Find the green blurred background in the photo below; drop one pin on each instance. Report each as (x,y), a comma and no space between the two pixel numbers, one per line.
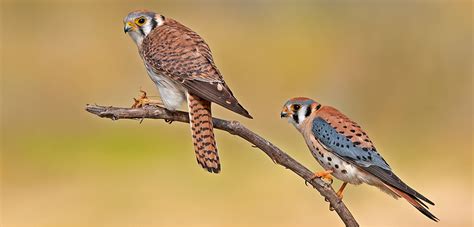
(402,69)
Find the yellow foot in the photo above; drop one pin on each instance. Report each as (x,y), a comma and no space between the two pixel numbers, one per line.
(143,100)
(325,175)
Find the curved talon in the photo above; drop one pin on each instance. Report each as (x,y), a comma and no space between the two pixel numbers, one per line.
(330,180)
(168,121)
(324,175)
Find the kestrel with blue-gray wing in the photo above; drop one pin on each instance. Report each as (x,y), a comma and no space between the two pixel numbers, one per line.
(180,64)
(345,151)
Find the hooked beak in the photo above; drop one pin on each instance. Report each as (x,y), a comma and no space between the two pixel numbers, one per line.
(128,27)
(284,113)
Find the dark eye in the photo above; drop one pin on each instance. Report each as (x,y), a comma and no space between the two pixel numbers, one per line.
(296,107)
(141,21)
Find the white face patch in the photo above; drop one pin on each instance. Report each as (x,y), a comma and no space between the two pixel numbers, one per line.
(301,114)
(141,32)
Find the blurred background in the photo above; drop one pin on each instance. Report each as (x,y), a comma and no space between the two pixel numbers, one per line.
(401,69)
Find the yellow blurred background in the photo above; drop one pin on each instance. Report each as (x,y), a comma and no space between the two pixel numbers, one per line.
(402,69)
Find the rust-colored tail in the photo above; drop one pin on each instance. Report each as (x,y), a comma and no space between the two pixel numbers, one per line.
(200,119)
(414,201)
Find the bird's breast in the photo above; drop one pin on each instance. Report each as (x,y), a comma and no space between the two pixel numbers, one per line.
(342,170)
(172,93)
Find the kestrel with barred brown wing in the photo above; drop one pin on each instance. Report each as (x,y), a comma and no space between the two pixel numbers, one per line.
(346,152)
(180,64)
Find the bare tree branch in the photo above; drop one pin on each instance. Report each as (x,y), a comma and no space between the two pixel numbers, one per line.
(234,128)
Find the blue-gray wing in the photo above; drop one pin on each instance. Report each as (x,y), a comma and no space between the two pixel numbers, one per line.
(342,146)
(354,147)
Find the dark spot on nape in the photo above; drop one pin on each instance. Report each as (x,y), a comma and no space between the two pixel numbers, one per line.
(318,106)
(163,17)
(329,159)
(344,171)
(337,166)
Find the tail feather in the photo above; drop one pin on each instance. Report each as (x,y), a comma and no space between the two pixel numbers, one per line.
(414,201)
(200,119)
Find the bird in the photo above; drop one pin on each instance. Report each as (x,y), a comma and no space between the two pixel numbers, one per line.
(346,152)
(180,64)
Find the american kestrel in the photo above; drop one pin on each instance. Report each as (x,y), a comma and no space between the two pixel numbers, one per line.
(180,64)
(345,151)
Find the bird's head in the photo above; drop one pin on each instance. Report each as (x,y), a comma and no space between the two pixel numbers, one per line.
(138,24)
(299,109)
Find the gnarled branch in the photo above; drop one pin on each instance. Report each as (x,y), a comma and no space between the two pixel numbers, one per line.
(234,128)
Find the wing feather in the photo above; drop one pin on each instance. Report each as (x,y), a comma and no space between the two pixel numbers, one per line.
(178,52)
(330,132)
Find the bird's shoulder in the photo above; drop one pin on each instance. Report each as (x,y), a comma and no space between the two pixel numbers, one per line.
(179,51)
(339,134)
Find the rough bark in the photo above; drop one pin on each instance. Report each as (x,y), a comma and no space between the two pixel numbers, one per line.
(234,128)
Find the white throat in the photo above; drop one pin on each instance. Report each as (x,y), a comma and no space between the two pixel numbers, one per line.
(136,37)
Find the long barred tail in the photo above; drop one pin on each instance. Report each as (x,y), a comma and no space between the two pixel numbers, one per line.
(200,119)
